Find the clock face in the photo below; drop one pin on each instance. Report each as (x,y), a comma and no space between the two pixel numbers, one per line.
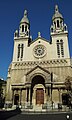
(39,51)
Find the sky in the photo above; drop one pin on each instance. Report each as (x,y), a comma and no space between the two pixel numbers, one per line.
(40,14)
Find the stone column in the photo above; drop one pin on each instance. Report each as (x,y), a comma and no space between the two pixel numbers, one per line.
(59,95)
(29,94)
(46,94)
(45,99)
(26,96)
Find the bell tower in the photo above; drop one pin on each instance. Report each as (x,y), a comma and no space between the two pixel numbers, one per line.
(58,22)
(24,27)
(21,38)
(59,35)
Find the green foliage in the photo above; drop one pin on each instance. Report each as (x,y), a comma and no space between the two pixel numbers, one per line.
(2,100)
(69,90)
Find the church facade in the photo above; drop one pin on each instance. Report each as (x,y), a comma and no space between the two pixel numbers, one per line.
(39,68)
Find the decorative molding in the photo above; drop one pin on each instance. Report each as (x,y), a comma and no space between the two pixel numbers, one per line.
(32,64)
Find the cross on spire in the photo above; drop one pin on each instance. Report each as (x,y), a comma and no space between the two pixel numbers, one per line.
(56,8)
(25,13)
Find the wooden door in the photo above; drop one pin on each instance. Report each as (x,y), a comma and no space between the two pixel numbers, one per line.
(39,96)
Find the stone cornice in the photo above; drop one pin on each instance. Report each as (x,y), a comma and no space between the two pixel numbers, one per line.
(48,63)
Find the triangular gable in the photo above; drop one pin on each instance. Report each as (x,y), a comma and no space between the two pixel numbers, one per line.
(36,68)
(39,38)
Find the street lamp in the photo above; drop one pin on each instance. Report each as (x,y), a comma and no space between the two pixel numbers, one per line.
(67,117)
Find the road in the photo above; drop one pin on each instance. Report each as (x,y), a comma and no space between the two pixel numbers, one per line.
(18,115)
(50,116)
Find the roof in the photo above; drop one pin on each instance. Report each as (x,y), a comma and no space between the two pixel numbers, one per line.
(25,18)
(57,13)
(38,38)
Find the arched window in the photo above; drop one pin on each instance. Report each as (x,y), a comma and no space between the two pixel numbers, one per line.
(18,50)
(22,46)
(62,48)
(57,41)
(58,48)
(22,28)
(58,23)
(51,29)
(65,27)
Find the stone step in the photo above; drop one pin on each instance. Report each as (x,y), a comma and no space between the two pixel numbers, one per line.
(38,107)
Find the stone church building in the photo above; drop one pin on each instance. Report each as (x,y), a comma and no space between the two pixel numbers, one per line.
(39,68)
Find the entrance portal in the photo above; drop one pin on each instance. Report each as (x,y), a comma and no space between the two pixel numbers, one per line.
(39,96)
(16,99)
(37,90)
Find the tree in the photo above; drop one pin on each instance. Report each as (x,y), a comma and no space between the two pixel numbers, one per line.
(69,90)
(2,98)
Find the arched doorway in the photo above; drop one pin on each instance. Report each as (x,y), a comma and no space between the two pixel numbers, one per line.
(37,90)
(16,99)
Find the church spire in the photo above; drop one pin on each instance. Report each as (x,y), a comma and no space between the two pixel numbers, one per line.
(25,14)
(56,8)
(58,22)
(57,14)
(24,30)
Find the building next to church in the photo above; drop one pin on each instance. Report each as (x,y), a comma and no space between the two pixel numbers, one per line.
(39,68)
(2,92)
